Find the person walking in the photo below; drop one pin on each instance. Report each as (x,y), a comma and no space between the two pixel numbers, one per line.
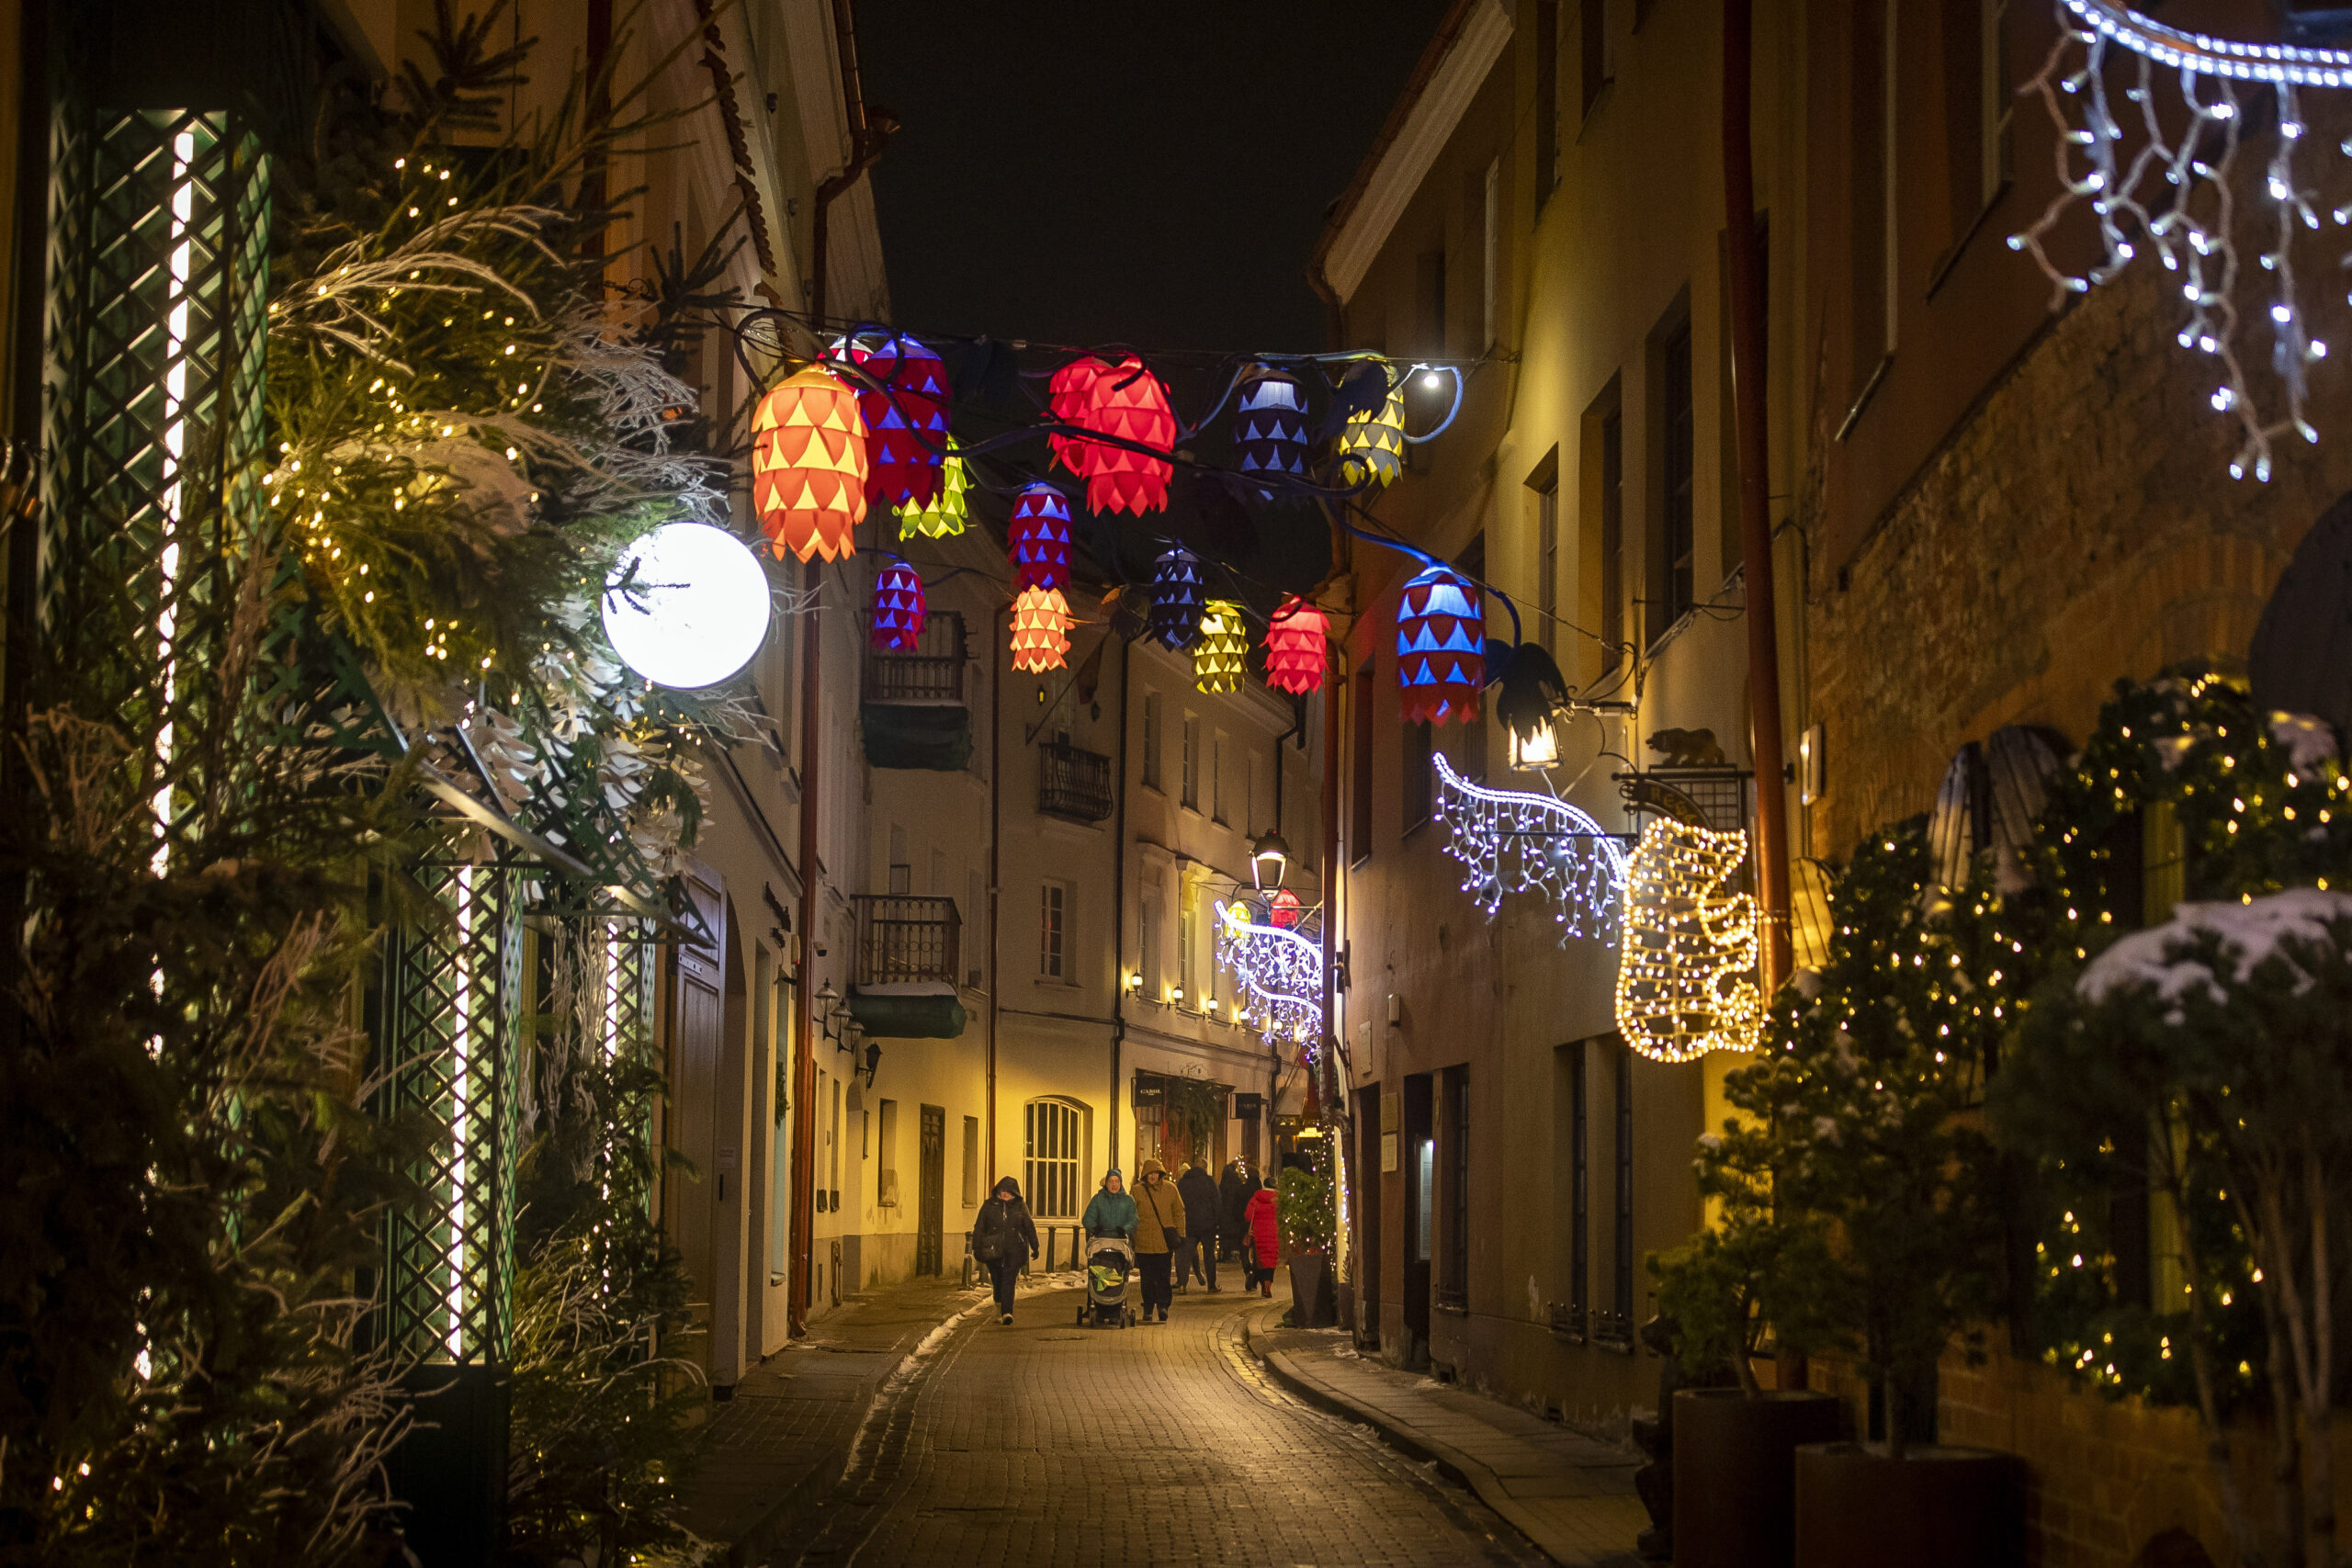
(1265,1237)
(1005,1240)
(1233,1188)
(1111,1211)
(1198,1188)
(1159,1225)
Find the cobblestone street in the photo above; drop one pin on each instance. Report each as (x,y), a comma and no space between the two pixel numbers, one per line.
(1046,1444)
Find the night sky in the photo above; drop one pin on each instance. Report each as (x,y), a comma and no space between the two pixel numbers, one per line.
(1098,171)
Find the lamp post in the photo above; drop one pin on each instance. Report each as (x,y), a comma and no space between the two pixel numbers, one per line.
(1269,860)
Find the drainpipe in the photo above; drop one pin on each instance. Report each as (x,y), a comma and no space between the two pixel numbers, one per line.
(869,131)
(1335,1112)
(996,818)
(804,1097)
(1119,903)
(1755,520)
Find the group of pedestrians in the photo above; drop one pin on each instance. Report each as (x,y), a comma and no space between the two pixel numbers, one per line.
(1177,1230)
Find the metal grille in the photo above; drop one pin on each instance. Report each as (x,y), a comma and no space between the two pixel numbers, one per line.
(933,672)
(903,939)
(449,1052)
(1073,783)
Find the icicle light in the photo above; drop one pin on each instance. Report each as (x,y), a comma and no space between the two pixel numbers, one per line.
(1517,841)
(1280,972)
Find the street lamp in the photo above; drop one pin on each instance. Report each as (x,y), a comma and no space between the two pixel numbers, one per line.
(1268,859)
(1537,750)
(873,1062)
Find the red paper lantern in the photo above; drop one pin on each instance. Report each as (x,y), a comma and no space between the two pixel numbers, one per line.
(899,609)
(906,418)
(1131,404)
(1040,625)
(1294,656)
(809,466)
(1283,908)
(1441,648)
(1037,541)
(1068,396)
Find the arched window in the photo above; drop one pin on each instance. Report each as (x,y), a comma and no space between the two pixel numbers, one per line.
(1053,1156)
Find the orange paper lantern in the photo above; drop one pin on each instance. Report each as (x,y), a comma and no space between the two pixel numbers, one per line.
(1294,637)
(1040,620)
(1131,404)
(809,466)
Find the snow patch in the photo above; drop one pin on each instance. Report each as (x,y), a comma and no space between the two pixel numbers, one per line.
(2249,932)
(2310,740)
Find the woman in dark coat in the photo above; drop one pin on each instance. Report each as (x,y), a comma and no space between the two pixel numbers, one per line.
(1004,1238)
(1232,1191)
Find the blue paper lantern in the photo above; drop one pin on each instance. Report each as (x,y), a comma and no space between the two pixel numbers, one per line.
(1440,648)
(1270,424)
(1176,598)
(1037,542)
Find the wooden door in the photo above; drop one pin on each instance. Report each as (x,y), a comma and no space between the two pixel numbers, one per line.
(692,1199)
(929,1258)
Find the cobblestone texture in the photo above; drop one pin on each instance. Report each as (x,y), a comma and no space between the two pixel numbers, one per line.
(1045,1445)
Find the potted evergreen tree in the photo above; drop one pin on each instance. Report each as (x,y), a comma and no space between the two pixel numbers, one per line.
(1308,1215)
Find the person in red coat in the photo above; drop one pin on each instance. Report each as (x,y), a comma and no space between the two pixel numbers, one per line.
(1265,1242)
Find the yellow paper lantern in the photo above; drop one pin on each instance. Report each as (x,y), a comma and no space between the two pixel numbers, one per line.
(1040,620)
(1222,652)
(1686,977)
(809,466)
(947,512)
(1372,445)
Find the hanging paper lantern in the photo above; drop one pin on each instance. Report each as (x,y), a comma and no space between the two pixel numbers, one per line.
(1441,648)
(1040,620)
(1176,599)
(1222,653)
(1372,445)
(906,418)
(898,611)
(1037,542)
(1270,424)
(1066,398)
(1130,403)
(809,466)
(1294,647)
(1283,910)
(947,510)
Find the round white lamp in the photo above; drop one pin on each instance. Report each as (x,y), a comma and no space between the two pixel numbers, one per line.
(686,605)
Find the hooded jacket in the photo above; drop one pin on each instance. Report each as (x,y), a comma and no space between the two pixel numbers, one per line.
(1198,1188)
(1109,1212)
(1265,1232)
(1158,1210)
(1005,1222)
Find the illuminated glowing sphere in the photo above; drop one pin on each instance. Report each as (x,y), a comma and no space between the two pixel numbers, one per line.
(1037,539)
(1130,403)
(1372,445)
(1270,424)
(898,611)
(1441,648)
(906,417)
(686,605)
(1221,655)
(1176,598)
(1066,397)
(1294,647)
(946,511)
(1040,625)
(809,466)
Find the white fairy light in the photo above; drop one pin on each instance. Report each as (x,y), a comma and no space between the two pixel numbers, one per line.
(1514,841)
(1280,972)
(1686,974)
(2203,248)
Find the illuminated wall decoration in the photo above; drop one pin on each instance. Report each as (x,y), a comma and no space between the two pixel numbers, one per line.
(1294,636)
(906,417)
(949,510)
(1037,538)
(809,466)
(899,608)
(1221,655)
(1686,977)
(1040,627)
(1280,972)
(1514,841)
(1440,648)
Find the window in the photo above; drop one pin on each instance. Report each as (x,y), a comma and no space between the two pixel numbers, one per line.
(1187,943)
(1623,1296)
(1602,492)
(1360,766)
(1217,779)
(1869,202)
(1456,1274)
(1153,923)
(1425,1185)
(1671,586)
(972,1163)
(1545,482)
(1192,796)
(1489,248)
(1472,564)
(902,868)
(1580,1185)
(1417,781)
(1054,911)
(887,1188)
(1547,98)
(833,1140)
(1151,739)
(975,936)
(1050,1149)
(1593,53)
(1978,147)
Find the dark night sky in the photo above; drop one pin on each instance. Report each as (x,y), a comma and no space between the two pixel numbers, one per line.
(1098,171)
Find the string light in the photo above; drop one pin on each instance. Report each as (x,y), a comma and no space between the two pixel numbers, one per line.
(1280,972)
(1040,622)
(1685,976)
(1513,841)
(1221,655)
(946,511)
(1294,637)
(809,466)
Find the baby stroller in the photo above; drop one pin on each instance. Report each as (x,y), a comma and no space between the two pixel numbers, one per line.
(1110,1262)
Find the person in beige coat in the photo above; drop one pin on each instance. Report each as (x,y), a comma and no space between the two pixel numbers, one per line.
(1159,1228)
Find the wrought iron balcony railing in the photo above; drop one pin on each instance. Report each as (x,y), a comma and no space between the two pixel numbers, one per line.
(931,671)
(903,939)
(1072,783)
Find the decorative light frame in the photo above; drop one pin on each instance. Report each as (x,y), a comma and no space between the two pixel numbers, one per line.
(1280,972)
(1516,842)
(1686,969)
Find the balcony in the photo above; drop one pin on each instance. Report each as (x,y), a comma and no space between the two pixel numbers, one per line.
(1073,783)
(913,711)
(908,951)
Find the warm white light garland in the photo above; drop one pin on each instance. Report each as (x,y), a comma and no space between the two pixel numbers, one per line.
(1542,843)
(1686,975)
(1280,972)
(2161,186)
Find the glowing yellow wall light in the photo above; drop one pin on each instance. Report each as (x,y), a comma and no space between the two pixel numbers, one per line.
(1686,975)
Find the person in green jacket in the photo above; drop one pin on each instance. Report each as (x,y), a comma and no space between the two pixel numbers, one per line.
(1111,1211)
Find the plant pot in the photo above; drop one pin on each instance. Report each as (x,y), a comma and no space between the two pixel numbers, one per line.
(1935,1507)
(1343,1303)
(1734,1472)
(1310,1290)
